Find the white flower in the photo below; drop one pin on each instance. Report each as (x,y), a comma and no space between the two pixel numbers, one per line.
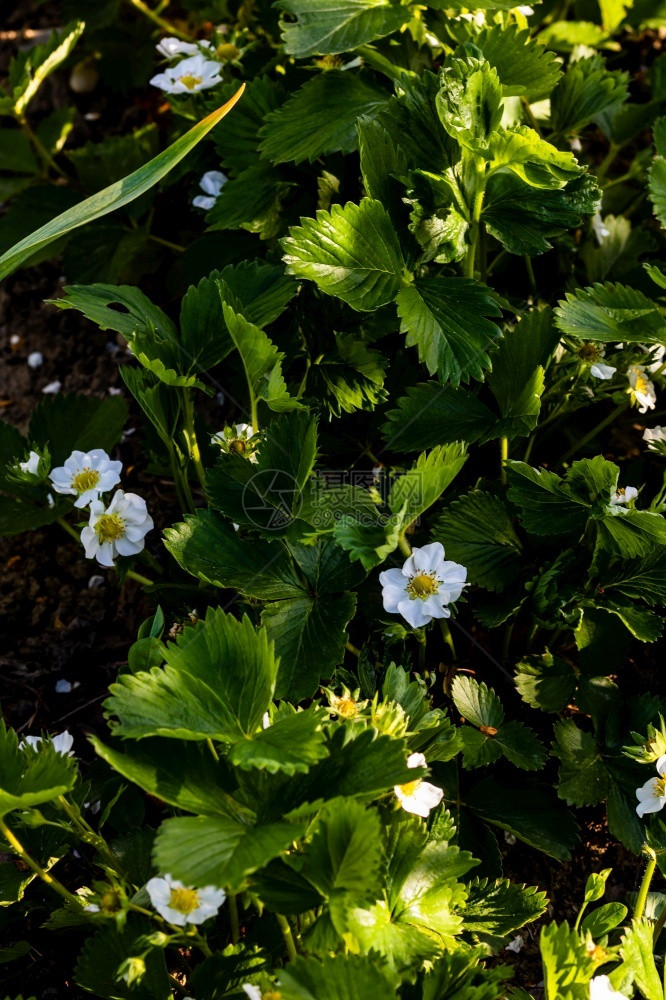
(172,47)
(35,360)
(253,992)
(658,357)
(181,904)
(211,183)
(624,495)
(641,389)
(601,989)
(118,530)
(656,439)
(601,231)
(652,795)
(236,440)
(85,475)
(188,76)
(418,796)
(525,10)
(62,743)
(516,945)
(602,371)
(31,464)
(424,586)
(52,388)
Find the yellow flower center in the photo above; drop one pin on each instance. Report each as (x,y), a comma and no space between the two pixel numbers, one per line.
(423,586)
(85,479)
(238,446)
(642,383)
(620,491)
(346,707)
(589,352)
(660,787)
(191,81)
(410,787)
(110,528)
(184,900)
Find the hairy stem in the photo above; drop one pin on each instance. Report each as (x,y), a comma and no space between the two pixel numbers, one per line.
(191,438)
(641,898)
(27,859)
(285,927)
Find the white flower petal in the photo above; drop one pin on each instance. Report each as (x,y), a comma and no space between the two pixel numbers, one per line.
(412,612)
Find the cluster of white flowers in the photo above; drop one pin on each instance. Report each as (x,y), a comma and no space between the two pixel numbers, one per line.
(190,74)
(652,795)
(116,530)
(425,585)
(180,904)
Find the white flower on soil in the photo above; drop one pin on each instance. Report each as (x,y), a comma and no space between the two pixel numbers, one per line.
(652,795)
(62,743)
(624,495)
(31,464)
(180,904)
(641,389)
(188,76)
(602,989)
(173,47)
(236,440)
(85,475)
(425,585)
(117,530)
(418,796)
(602,371)
(211,184)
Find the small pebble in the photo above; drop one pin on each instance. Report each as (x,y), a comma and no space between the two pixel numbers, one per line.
(95,581)
(35,360)
(52,388)
(14,340)
(63,686)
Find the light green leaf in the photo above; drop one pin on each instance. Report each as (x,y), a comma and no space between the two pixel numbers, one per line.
(476,702)
(369,543)
(352,252)
(477,532)
(422,485)
(136,311)
(261,360)
(207,850)
(525,68)
(469,102)
(29,69)
(567,964)
(604,919)
(637,950)
(345,853)
(447,320)
(336,976)
(583,778)
(293,742)
(532,158)
(116,196)
(319,118)
(501,907)
(611,313)
(332,26)
(586,91)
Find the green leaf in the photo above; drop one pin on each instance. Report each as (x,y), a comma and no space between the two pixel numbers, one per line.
(583,778)
(620,251)
(333,976)
(345,856)
(103,954)
(16,155)
(476,702)
(352,252)
(604,919)
(251,201)
(99,164)
(261,360)
(526,812)
(548,506)
(521,746)
(469,102)
(136,312)
(368,543)
(237,140)
(525,68)
(328,27)
(309,635)
(639,579)
(348,378)
(207,850)
(546,682)
(477,532)
(521,150)
(293,742)
(30,777)
(217,683)
(410,118)
(210,550)
(637,950)
(611,313)
(262,290)
(501,907)
(517,378)
(657,187)
(586,91)
(422,485)
(116,196)
(28,70)
(447,319)
(431,414)
(68,422)
(567,964)
(320,118)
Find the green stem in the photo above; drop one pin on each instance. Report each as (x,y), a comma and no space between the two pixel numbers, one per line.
(641,898)
(593,433)
(86,832)
(69,529)
(285,927)
(45,876)
(191,438)
(233,917)
(475,228)
(211,747)
(530,275)
(404,545)
(41,150)
(167,243)
(352,648)
(182,487)
(139,577)
(159,21)
(607,161)
(504,457)
(448,638)
(254,411)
